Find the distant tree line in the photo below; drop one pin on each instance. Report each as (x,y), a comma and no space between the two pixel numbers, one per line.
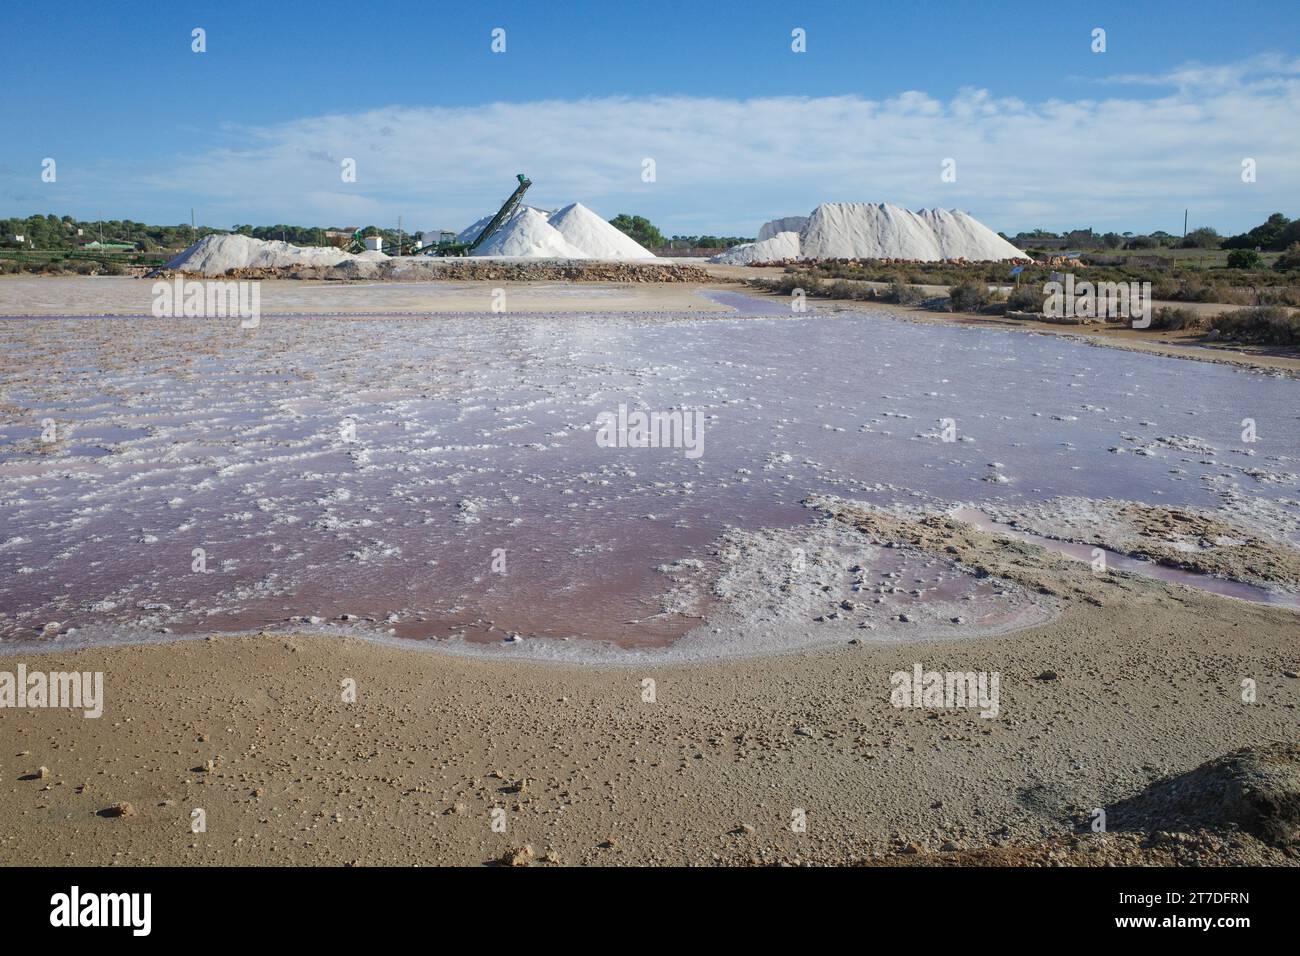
(60,232)
(1275,234)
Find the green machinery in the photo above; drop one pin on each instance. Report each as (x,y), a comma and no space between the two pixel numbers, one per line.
(356,243)
(407,247)
(507,209)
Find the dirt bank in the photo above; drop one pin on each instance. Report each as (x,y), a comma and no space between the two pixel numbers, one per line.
(134,297)
(1134,683)
(427,268)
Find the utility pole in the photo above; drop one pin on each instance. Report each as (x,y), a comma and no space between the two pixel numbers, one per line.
(399,235)
(1184,223)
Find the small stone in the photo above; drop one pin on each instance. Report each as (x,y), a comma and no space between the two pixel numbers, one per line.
(119,810)
(1047,675)
(42,773)
(520,857)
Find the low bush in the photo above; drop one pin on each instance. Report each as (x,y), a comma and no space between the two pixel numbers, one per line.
(968,297)
(904,294)
(1290,259)
(1025,299)
(1175,319)
(1243,259)
(1264,325)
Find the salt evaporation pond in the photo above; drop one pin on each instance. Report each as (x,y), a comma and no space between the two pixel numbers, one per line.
(473,434)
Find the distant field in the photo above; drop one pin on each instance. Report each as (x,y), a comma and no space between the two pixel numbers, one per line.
(1181,258)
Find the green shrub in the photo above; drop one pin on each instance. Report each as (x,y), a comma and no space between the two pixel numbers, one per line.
(1243,259)
(904,294)
(1289,259)
(968,297)
(1025,299)
(1264,325)
(1167,318)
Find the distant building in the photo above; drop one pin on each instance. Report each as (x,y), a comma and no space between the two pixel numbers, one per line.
(96,246)
(340,237)
(374,243)
(432,237)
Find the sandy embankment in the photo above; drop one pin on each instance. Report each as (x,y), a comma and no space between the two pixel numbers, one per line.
(106,295)
(1182,344)
(121,296)
(1134,681)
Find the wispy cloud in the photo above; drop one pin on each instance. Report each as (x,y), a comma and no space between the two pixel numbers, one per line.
(725,165)
(1265,69)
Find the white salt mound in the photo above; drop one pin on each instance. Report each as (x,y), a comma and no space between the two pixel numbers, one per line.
(597,238)
(574,232)
(215,255)
(527,234)
(787,224)
(470,232)
(884,231)
(784,245)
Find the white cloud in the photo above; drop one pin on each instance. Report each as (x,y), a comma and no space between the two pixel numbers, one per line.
(725,165)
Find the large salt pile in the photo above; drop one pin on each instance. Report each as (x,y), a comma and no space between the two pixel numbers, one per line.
(216,255)
(594,236)
(470,232)
(574,232)
(882,231)
(528,234)
(784,245)
(786,224)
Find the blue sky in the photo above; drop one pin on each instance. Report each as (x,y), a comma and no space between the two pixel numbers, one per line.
(1044,132)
